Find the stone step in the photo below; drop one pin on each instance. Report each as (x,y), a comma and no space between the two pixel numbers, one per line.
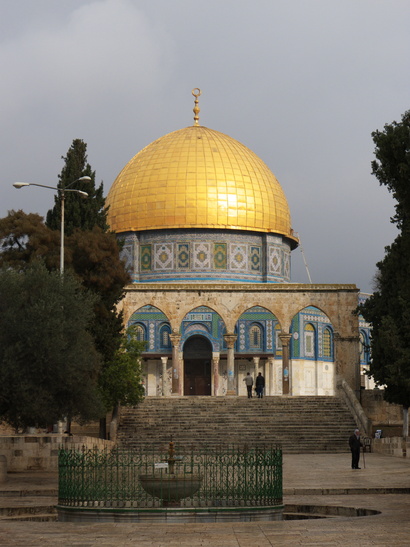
(26,510)
(38,517)
(212,421)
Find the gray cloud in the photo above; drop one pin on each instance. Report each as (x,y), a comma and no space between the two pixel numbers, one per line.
(303,84)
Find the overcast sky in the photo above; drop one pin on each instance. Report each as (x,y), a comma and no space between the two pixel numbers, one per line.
(303,83)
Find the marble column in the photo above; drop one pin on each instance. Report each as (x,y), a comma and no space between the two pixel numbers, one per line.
(230,340)
(215,373)
(285,339)
(176,381)
(269,375)
(165,391)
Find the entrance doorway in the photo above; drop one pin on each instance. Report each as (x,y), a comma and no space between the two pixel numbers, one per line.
(197,366)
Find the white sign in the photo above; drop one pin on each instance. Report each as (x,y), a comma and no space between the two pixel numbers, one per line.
(162,465)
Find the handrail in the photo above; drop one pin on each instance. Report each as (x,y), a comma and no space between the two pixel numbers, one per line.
(362,421)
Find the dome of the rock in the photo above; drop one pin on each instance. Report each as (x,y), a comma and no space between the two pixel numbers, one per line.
(198,205)
(198,178)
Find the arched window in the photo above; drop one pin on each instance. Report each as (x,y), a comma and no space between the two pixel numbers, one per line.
(140,332)
(309,340)
(164,339)
(327,343)
(255,337)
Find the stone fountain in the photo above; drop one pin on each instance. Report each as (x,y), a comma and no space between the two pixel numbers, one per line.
(171,487)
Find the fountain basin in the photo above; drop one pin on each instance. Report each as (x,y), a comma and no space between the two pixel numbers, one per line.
(170,488)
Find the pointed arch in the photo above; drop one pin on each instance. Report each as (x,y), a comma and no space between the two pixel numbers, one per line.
(197,358)
(156,327)
(257,327)
(314,342)
(206,322)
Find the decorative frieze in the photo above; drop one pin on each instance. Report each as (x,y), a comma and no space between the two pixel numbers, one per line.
(224,255)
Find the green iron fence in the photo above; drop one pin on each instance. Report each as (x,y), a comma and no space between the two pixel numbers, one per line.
(149,477)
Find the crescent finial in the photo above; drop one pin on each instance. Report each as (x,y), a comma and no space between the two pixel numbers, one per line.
(196,92)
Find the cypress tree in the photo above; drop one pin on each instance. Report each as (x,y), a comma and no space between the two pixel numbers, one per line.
(79,212)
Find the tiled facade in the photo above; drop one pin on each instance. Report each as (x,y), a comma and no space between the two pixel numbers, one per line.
(212,255)
(258,321)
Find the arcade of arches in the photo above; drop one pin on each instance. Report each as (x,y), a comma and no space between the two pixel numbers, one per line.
(203,339)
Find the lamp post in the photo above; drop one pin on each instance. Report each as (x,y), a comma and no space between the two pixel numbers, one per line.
(62,196)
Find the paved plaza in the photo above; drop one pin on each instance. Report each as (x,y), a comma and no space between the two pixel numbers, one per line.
(309,480)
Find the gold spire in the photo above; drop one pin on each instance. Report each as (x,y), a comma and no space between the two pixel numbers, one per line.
(196,92)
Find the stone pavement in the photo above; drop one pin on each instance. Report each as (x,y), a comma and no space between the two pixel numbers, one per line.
(319,480)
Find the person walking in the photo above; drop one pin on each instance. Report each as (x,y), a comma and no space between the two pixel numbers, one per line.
(260,385)
(249,383)
(355,443)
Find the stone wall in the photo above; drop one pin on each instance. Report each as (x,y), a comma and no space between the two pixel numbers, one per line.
(384,415)
(40,452)
(392,446)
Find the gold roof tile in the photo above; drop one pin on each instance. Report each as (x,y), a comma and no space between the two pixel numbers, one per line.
(202,179)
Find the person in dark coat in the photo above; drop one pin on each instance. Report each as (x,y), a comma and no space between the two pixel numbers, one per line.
(355,443)
(259,385)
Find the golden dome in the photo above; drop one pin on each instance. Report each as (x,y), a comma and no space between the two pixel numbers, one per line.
(198,178)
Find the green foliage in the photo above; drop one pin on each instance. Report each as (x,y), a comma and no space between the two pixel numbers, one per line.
(95,258)
(388,309)
(121,380)
(48,363)
(91,252)
(79,212)
(392,167)
(24,238)
(92,255)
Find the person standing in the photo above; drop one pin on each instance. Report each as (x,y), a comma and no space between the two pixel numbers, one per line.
(249,383)
(260,385)
(355,443)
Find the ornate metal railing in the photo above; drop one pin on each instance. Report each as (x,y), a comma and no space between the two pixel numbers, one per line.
(227,477)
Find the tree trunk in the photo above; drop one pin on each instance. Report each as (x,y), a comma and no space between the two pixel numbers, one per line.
(103,428)
(115,412)
(405,421)
(114,423)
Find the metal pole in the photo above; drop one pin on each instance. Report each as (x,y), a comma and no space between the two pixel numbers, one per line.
(62,235)
(86,178)
(60,423)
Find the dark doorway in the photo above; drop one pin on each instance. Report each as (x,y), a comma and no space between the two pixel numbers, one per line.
(197,366)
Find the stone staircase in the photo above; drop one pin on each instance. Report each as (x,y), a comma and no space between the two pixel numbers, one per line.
(298,424)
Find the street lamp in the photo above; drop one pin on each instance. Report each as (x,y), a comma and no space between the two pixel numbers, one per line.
(62,195)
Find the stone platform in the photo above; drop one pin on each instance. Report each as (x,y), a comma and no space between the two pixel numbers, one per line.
(313,481)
